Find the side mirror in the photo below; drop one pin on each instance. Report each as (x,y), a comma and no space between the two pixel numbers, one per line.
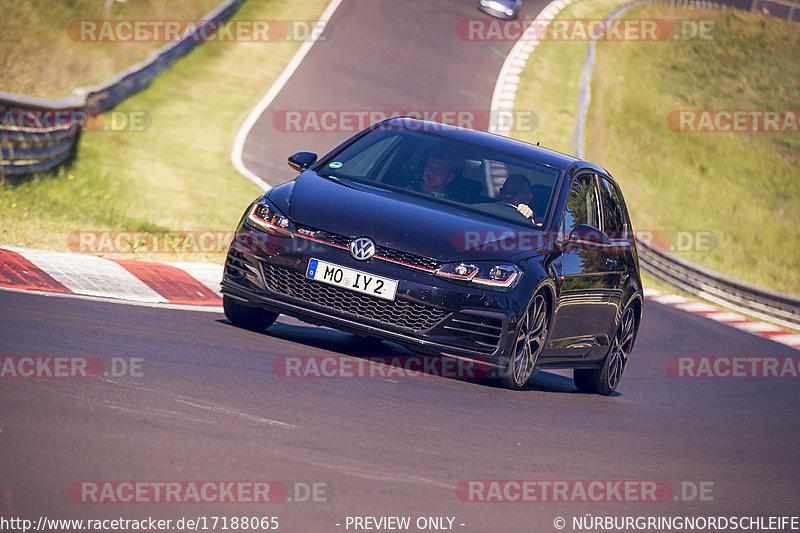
(302,160)
(585,234)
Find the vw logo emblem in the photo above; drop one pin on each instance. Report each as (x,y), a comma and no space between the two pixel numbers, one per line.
(362,248)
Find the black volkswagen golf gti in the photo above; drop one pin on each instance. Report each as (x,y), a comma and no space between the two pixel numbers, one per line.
(451,242)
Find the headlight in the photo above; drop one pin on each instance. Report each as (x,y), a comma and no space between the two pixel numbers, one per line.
(264,217)
(501,276)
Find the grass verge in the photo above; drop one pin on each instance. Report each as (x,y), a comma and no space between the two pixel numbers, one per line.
(549,83)
(177,174)
(742,187)
(41,56)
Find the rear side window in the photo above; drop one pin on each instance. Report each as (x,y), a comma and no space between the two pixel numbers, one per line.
(582,205)
(613,216)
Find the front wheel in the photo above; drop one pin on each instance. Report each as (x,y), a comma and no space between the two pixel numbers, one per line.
(531,338)
(253,318)
(604,380)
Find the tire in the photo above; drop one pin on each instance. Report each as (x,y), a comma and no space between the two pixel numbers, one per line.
(252,318)
(531,337)
(605,380)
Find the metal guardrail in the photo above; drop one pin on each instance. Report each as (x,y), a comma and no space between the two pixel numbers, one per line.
(780,309)
(777,8)
(39,145)
(34,147)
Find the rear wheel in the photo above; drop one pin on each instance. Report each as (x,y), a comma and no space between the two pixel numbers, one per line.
(604,380)
(531,338)
(253,318)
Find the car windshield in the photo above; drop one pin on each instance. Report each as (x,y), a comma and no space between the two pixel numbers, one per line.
(473,177)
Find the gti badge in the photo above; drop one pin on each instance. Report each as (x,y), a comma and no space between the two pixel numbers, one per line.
(362,249)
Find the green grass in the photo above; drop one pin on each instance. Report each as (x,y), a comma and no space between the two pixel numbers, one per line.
(177,175)
(38,57)
(744,187)
(549,83)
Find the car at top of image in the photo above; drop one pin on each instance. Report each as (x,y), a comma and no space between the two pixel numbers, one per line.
(451,242)
(502,9)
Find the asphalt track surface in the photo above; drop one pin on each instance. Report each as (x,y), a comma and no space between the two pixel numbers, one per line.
(209,405)
(379,56)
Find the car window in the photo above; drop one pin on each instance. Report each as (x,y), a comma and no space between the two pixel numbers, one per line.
(362,163)
(441,169)
(613,216)
(582,206)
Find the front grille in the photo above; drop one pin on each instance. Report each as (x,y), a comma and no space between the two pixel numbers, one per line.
(483,331)
(407,258)
(396,313)
(234,267)
(238,269)
(389,253)
(332,238)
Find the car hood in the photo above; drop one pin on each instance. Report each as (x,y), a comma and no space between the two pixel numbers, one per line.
(414,225)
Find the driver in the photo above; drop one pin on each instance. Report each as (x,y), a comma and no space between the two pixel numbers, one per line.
(439,171)
(439,178)
(517,191)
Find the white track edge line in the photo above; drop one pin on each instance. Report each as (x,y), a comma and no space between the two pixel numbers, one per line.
(154,305)
(548,13)
(237,151)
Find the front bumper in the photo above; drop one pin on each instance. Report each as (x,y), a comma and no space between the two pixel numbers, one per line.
(429,314)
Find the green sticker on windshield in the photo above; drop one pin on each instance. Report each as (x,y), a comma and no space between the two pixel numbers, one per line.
(334,164)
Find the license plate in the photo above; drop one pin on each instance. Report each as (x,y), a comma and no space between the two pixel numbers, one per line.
(348,278)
